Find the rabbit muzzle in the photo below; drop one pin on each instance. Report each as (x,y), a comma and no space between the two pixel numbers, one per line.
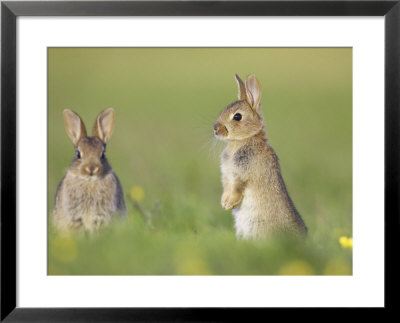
(91,169)
(220,130)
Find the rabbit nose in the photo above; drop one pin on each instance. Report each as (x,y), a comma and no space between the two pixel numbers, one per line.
(92,169)
(220,129)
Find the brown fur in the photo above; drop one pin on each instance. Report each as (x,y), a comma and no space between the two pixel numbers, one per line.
(252,182)
(90,194)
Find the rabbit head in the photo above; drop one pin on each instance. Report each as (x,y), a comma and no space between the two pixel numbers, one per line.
(243,118)
(90,161)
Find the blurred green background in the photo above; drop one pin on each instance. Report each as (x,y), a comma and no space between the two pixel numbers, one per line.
(163,151)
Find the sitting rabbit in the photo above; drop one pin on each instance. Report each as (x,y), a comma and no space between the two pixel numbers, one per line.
(90,194)
(253,186)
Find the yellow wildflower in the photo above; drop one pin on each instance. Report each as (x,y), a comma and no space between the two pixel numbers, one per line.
(297,267)
(64,248)
(137,193)
(346,242)
(337,267)
(193,266)
(189,261)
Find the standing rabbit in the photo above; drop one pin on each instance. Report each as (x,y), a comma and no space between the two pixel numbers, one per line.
(253,186)
(90,194)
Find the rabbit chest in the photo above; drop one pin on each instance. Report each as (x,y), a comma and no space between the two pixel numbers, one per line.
(236,162)
(89,203)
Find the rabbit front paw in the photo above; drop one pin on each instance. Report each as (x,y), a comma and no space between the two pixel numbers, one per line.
(230,202)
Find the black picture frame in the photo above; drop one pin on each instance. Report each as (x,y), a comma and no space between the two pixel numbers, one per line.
(11,10)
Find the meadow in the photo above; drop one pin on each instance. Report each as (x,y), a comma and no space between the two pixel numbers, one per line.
(163,151)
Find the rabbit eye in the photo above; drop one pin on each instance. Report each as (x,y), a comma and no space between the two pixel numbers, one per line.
(237,117)
(78,154)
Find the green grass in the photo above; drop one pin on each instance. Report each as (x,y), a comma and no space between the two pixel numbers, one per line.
(166,101)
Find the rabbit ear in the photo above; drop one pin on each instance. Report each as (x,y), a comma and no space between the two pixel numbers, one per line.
(104,125)
(74,126)
(253,92)
(241,88)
